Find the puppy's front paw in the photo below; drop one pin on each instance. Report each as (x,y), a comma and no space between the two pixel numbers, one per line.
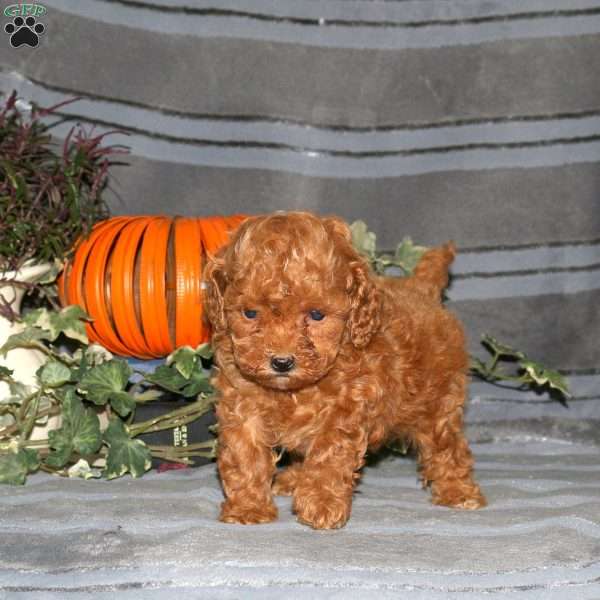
(322,510)
(463,496)
(471,503)
(247,514)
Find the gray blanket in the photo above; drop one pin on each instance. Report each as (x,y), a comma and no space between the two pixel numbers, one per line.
(159,535)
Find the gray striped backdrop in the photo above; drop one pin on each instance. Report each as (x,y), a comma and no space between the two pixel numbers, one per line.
(476,121)
(464,119)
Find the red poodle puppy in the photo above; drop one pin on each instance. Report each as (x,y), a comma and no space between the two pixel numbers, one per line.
(317,355)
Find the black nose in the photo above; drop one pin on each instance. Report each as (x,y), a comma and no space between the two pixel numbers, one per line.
(282,364)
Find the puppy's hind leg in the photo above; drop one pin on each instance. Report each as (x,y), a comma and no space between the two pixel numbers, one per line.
(286,480)
(445,457)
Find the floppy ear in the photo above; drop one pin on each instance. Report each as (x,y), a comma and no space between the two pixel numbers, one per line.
(213,284)
(364,318)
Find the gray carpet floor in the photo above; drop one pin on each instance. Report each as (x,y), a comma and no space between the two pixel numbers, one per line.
(158,536)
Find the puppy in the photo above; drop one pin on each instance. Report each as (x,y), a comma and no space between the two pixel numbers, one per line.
(317,355)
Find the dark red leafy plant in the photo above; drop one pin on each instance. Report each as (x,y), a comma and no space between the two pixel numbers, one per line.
(49,196)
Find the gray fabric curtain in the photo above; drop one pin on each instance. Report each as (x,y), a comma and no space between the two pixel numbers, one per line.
(477,121)
(438,119)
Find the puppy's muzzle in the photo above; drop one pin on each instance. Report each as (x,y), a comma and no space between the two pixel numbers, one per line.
(282,364)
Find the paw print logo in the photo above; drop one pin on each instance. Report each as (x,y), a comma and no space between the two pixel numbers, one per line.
(24,31)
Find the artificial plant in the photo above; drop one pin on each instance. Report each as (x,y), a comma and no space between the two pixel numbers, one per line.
(73,384)
(50,194)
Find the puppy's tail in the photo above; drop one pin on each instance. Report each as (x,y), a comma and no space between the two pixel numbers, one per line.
(431,272)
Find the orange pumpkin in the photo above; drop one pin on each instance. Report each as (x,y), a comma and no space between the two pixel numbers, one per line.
(139,277)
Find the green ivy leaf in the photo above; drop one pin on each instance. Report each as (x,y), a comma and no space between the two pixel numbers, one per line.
(88,357)
(122,402)
(184,359)
(479,367)
(501,349)
(54,374)
(5,373)
(14,467)
(199,384)
(69,320)
(29,458)
(125,454)
(17,393)
(96,355)
(82,469)
(542,376)
(100,383)
(407,255)
(61,446)
(537,373)
(205,351)
(80,432)
(24,339)
(187,359)
(363,240)
(106,383)
(169,378)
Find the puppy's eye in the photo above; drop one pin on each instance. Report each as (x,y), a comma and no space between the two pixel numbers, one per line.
(250,314)
(316,315)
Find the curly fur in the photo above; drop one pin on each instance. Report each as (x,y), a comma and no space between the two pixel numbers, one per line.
(386,361)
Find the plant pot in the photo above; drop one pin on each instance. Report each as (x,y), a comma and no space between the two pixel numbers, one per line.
(24,362)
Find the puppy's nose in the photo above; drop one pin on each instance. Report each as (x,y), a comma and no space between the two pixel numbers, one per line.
(282,364)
